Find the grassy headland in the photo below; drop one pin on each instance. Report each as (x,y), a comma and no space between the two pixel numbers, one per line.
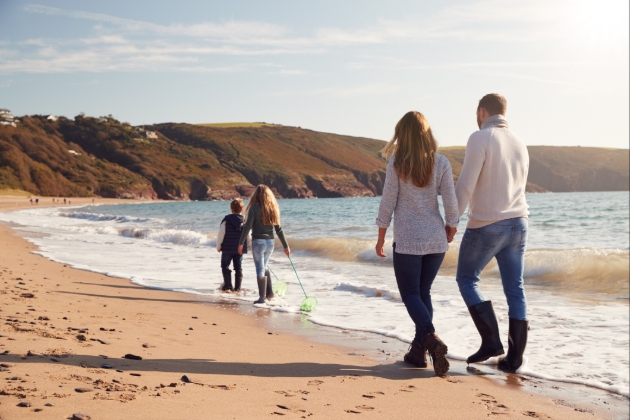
(103,157)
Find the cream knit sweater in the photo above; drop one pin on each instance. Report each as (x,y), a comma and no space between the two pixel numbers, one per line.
(494,175)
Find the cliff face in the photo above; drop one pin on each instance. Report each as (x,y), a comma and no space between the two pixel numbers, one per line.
(105,158)
(295,163)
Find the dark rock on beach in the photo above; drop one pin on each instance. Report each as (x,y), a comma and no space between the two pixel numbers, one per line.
(186,379)
(132,357)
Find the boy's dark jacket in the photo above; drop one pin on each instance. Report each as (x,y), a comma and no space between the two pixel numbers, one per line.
(233,229)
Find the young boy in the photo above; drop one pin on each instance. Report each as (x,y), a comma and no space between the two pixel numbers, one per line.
(227,243)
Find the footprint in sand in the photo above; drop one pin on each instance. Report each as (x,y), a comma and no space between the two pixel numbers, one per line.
(493,405)
(536,415)
(372,395)
(315,382)
(364,407)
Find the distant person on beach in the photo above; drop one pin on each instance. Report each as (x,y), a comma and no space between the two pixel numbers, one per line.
(37,201)
(262,217)
(492,181)
(416,175)
(227,243)
(31,201)
(64,201)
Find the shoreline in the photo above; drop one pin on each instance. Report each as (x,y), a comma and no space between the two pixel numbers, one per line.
(286,362)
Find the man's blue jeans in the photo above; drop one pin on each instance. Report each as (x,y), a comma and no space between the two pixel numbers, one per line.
(415,275)
(506,241)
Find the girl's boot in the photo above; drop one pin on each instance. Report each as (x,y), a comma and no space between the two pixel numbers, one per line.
(269,294)
(262,285)
(437,350)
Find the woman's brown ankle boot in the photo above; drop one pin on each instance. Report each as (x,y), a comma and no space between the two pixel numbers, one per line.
(437,350)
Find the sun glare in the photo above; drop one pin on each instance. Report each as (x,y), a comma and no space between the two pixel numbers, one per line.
(600,23)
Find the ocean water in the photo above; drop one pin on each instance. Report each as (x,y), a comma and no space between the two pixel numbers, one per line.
(577,271)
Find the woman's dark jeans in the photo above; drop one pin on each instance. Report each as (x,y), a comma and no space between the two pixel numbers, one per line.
(415,275)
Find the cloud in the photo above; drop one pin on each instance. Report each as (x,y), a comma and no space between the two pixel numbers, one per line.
(369,89)
(120,44)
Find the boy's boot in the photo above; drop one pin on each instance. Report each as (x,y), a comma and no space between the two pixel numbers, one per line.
(270,294)
(486,322)
(417,355)
(227,280)
(437,349)
(238,280)
(517,340)
(262,285)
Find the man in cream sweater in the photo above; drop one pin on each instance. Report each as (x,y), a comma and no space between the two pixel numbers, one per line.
(492,184)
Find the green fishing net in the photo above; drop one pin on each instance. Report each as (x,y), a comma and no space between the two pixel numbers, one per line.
(280,288)
(308,304)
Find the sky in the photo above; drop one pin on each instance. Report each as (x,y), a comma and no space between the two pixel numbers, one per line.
(346,67)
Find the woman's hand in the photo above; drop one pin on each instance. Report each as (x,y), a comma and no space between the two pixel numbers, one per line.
(380,248)
(287,252)
(240,249)
(380,243)
(450,233)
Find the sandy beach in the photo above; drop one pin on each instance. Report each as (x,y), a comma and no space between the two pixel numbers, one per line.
(65,332)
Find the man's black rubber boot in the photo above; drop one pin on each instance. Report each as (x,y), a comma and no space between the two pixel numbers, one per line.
(517,341)
(486,322)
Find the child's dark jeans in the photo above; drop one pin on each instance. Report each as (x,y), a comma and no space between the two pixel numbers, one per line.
(236,259)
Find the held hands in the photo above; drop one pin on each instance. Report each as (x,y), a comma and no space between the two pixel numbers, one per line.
(240,249)
(450,233)
(287,252)
(380,248)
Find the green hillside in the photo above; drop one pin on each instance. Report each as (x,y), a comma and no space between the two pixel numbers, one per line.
(102,157)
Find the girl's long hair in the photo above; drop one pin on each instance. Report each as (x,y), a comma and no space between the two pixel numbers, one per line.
(264,197)
(414,148)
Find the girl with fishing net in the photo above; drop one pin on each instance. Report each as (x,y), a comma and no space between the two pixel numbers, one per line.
(416,175)
(262,217)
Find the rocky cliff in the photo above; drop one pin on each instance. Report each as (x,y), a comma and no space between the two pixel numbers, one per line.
(89,156)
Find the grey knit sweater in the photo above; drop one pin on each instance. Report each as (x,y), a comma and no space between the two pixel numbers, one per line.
(418,224)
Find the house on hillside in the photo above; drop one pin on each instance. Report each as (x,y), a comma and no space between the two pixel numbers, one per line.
(74,152)
(51,118)
(151,134)
(6,118)
(102,120)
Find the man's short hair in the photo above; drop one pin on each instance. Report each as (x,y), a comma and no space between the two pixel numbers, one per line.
(237,206)
(493,103)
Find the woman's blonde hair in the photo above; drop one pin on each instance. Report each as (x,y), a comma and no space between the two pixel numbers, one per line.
(264,197)
(414,148)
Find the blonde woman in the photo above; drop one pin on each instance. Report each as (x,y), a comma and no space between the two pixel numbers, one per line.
(416,175)
(262,217)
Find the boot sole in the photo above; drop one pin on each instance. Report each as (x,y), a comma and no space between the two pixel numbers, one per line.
(485,357)
(440,364)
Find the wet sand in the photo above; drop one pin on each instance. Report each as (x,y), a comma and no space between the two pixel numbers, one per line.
(61,329)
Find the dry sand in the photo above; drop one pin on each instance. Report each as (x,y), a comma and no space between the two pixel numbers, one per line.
(59,326)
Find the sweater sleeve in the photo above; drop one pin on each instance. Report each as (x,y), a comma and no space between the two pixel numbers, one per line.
(247,226)
(449,199)
(389,198)
(220,236)
(280,234)
(473,163)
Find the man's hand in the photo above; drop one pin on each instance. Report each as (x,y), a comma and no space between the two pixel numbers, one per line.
(287,252)
(450,233)
(380,248)
(240,249)
(218,250)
